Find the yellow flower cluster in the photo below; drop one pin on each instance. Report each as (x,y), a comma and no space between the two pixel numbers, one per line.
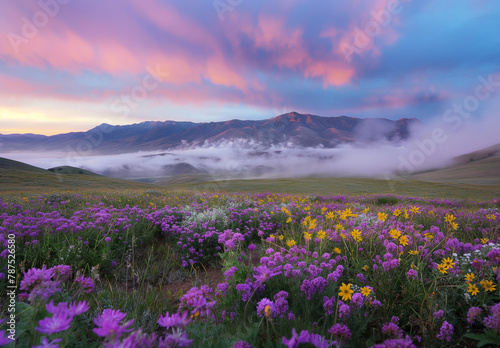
(445,265)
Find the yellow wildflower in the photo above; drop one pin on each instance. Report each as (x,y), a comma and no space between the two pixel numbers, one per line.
(337,250)
(443,269)
(395,233)
(346,292)
(365,291)
(448,262)
(473,289)
(321,234)
(404,240)
(488,285)
(382,216)
(356,235)
(469,277)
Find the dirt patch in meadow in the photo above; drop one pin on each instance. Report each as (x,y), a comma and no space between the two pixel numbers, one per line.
(210,277)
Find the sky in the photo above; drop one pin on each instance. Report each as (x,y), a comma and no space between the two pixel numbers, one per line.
(70,65)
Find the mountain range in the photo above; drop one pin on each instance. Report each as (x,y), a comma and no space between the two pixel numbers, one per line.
(302,130)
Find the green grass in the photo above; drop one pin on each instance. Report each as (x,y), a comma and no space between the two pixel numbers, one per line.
(13,181)
(460,182)
(352,186)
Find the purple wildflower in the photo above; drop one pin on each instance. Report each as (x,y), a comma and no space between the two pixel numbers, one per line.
(230,272)
(412,274)
(48,344)
(320,341)
(86,284)
(392,329)
(178,338)
(263,273)
(222,288)
(295,340)
(135,339)
(473,314)
(357,300)
(57,323)
(174,320)
(4,339)
(108,323)
(445,332)
(340,332)
(241,344)
(344,310)
(438,314)
(262,305)
(61,272)
(281,303)
(328,305)
(493,320)
(397,343)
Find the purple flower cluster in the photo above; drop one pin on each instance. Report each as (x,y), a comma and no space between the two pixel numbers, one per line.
(312,287)
(62,316)
(198,301)
(281,304)
(40,283)
(109,324)
(397,343)
(438,314)
(86,284)
(177,337)
(392,329)
(306,337)
(340,332)
(492,321)
(412,274)
(473,314)
(230,239)
(445,332)
(266,307)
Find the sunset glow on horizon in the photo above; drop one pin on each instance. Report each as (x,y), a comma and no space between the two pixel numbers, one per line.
(71,65)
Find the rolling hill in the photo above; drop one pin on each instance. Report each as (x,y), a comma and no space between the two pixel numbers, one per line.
(20,177)
(478,167)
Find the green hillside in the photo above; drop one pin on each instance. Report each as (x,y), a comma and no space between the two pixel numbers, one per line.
(18,177)
(484,171)
(72,170)
(11,165)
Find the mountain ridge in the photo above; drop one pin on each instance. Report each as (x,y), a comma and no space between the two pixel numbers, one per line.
(304,130)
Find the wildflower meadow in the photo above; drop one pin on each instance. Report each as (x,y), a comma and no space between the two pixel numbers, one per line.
(126,270)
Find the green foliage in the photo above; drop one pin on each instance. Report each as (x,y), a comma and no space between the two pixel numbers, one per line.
(489,337)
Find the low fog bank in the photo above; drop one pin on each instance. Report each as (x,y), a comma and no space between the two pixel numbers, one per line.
(431,146)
